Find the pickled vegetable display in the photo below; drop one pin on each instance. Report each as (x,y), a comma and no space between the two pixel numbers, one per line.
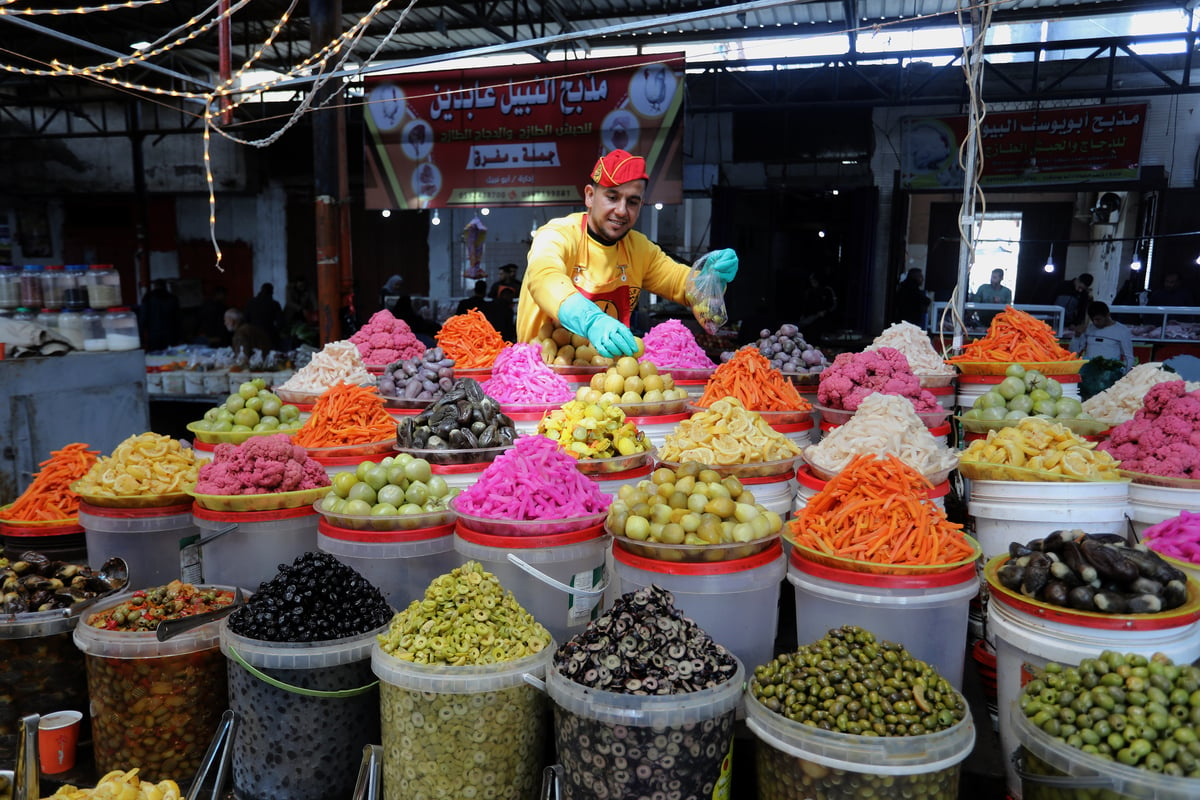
(122,785)
(1038,449)
(396,485)
(252,408)
(1025,393)
(423,377)
(630,381)
(643,645)
(464,418)
(593,430)
(35,582)
(850,682)
(1121,707)
(1093,572)
(145,608)
(690,504)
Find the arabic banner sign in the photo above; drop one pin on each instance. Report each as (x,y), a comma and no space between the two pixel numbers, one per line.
(1054,145)
(521,135)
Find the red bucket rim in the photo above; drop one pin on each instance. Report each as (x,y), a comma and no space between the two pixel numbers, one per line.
(383,537)
(459,469)
(252,516)
(469,534)
(662,419)
(636,472)
(134,513)
(759,559)
(953,577)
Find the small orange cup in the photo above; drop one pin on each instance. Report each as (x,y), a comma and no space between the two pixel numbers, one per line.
(58,735)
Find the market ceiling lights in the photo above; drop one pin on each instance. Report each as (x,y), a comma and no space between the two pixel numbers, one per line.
(435,220)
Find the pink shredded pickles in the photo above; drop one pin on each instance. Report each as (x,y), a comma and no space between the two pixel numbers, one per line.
(671,344)
(1177,537)
(532,480)
(520,376)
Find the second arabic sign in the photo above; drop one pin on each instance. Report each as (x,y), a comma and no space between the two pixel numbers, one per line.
(521,135)
(1053,145)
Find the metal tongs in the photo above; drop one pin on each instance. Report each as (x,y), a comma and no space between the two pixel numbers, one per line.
(369,783)
(173,627)
(219,755)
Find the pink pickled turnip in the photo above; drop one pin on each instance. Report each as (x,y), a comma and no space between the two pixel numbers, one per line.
(533,480)
(1176,537)
(519,376)
(670,344)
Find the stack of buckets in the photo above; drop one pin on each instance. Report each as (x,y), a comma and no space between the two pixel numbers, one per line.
(556,571)
(924,610)
(1029,634)
(245,548)
(400,563)
(59,540)
(153,541)
(1152,503)
(735,601)
(1020,511)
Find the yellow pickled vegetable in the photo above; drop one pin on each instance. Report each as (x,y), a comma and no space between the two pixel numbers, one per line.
(593,430)
(1043,446)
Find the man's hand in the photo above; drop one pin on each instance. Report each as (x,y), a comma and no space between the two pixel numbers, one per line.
(583,317)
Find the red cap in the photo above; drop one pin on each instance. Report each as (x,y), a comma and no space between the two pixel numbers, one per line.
(619,167)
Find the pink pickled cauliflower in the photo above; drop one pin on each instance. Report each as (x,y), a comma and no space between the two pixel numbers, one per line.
(260,465)
(385,339)
(852,376)
(1163,438)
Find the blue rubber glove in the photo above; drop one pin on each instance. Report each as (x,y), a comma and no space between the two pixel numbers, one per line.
(724,263)
(583,317)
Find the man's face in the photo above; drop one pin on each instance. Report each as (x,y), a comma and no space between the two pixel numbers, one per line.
(997,276)
(612,210)
(1102,320)
(1171,281)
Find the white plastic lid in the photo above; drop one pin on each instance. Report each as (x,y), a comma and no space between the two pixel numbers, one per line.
(875,755)
(467,679)
(299,655)
(671,710)
(141,644)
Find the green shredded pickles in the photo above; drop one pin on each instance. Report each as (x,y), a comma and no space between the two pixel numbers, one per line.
(465,617)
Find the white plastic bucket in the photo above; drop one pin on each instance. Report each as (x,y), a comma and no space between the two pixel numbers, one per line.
(657,428)
(151,540)
(808,484)
(259,542)
(926,613)
(558,578)
(1020,511)
(1029,634)
(803,761)
(800,433)
(401,564)
(945,396)
(736,602)
(773,492)
(1150,505)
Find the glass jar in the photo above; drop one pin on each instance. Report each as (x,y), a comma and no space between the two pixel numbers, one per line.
(76,295)
(94,336)
(48,318)
(31,286)
(104,286)
(71,326)
(23,314)
(54,285)
(10,287)
(121,329)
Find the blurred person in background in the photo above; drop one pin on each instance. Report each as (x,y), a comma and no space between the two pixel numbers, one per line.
(246,337)
(264,312)
(911,302)
(994,291)
(158,316)
(1105,337)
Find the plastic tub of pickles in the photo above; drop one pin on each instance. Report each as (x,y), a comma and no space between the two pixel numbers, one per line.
(825,735)
(1037,449)
(598,435)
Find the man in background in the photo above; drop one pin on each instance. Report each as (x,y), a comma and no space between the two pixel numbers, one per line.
(264,312)
(246,336)
(508,283)
(1105,337)
(911,301)
(477,299)
(994,291)
(1172,292)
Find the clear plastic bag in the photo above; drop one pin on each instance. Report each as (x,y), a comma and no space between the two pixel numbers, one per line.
(706,295)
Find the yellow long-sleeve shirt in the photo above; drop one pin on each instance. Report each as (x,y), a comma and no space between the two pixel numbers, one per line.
(558,249)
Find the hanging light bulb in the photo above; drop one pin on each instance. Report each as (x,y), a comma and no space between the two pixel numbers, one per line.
(533,226)
(1049,261)
(485,211)
(435,220)
(658,206)
(1136,264)
(387,212)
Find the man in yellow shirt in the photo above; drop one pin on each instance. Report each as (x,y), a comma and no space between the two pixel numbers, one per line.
(587,269)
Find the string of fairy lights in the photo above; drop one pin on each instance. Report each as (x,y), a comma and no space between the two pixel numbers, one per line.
(218,101)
